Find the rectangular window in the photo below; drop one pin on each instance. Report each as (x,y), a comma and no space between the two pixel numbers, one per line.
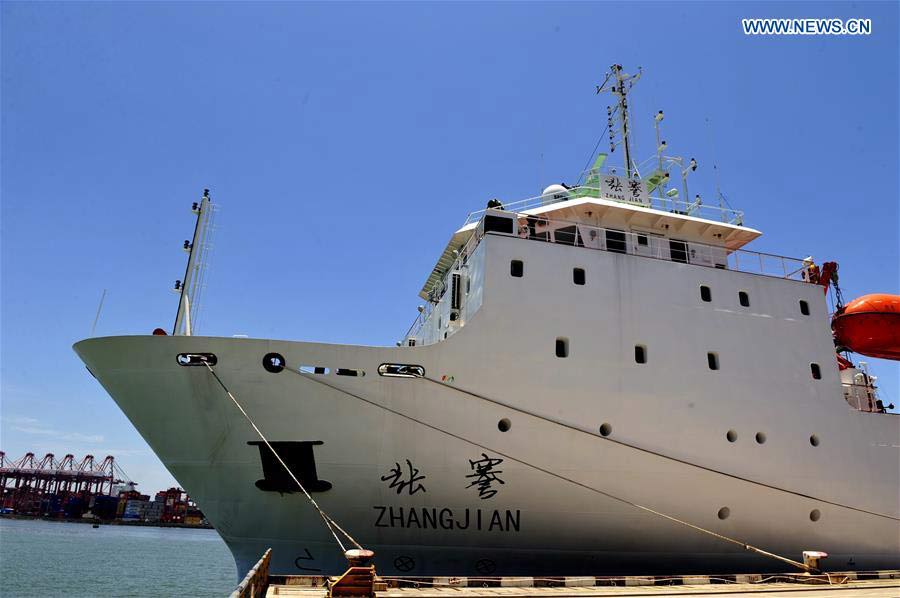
(640,354)
(578,276)
(615,241)
(642,240)
(516,268)
(744,298)
(568,236)
(712,359)
(498,224)
(562,347)
(455,290)
(804,307)
(816,371)
(678,251)
(705,293)
(533,224)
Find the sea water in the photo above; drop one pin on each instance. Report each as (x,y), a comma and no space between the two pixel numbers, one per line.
(49,558)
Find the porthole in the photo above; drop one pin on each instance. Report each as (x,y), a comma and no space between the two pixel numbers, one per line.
(504,425)
(705,293)
(731,435)
(562,347)
(744,298)
(605,429)
(273,362)
(516,268)
(712,359)
(640,354)
(815,515)
(724,513)
(760,438)
(804,307)
(816,371)
(578,276)
(814,440)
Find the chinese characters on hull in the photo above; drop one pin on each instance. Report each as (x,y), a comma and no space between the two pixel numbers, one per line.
(409,480)
(484,476)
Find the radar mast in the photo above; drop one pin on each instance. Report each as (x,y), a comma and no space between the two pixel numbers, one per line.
(619,83)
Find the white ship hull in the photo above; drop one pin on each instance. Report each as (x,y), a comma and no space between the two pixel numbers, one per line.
(544,518)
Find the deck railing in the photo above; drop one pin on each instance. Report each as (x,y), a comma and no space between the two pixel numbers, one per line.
(662,204)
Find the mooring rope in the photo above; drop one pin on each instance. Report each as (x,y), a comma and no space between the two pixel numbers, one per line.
(744,545)
(330,523)
(655,453)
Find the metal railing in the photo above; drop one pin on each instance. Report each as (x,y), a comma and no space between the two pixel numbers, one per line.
(862,397)
(657,247)
(662,204)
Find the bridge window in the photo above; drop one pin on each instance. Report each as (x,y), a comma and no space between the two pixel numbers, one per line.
(516,268)
(578,276)
(498,224)
(816,371)
(568,236)
(678,251)
(712,359)
(705,293)
(744,298)
(804,307)
(615,241)
(562,347)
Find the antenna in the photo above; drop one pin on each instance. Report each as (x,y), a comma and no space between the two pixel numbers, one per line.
(619,84)
(97,317)
(715,165)
(191,287)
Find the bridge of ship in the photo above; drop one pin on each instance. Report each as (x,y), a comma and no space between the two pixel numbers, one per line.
(659,228)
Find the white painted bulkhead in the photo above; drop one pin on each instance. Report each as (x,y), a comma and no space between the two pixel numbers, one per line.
(505,350)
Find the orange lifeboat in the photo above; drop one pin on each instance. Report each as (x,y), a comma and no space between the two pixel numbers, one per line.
(870,325)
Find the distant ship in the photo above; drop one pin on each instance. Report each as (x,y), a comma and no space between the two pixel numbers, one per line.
(600,379)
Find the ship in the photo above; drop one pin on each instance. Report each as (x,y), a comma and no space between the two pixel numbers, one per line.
(601,379)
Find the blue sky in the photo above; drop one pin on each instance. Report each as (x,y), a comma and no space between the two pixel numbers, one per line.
(345,142)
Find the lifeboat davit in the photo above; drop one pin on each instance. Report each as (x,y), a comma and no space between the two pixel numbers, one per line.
(870,325)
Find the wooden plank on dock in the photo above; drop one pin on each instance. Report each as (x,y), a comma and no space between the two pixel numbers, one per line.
(882,585)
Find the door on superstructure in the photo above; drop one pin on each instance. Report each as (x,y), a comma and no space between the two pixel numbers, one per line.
(646,244)
(678,251)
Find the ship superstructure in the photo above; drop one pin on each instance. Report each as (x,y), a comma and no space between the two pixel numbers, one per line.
(596,374)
